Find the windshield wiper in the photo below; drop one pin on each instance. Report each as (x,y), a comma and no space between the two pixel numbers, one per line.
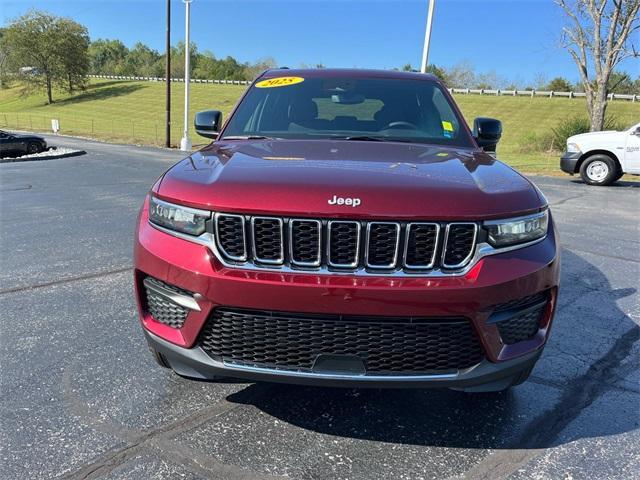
(368,138)
(248,137)
(361,138)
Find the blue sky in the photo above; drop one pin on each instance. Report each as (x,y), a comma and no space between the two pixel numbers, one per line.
(515,38)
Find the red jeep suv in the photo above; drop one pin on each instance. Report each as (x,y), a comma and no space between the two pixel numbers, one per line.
(346,228)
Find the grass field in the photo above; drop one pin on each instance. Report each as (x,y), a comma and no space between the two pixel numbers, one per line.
(133,112)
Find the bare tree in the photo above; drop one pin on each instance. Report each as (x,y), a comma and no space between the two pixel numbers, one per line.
(597,36)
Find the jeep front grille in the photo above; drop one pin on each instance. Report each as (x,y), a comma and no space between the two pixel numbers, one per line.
(344,245)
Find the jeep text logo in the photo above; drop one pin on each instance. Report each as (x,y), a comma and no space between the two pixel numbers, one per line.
(353,202)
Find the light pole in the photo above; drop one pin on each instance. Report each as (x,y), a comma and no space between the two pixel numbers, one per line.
(167,135)
(427,36)
(185,143)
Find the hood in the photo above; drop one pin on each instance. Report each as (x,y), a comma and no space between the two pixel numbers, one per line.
(592,135)
(391,180)
(27,136)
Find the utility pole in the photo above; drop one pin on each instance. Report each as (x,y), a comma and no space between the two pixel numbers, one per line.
(167,142)
(427,36)
(185,143)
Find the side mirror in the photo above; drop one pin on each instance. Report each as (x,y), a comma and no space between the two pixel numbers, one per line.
(487,132)
(208,123)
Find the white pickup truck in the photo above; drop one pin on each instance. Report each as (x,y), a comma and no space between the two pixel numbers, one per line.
(601,158)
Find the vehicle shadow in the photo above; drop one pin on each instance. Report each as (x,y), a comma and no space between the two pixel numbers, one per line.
(101,94)
(106,83)
(617,184)
(533,415)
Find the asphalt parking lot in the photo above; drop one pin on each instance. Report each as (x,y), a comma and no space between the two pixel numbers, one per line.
(82,398)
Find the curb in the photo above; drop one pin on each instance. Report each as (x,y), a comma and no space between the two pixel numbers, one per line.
(47,157)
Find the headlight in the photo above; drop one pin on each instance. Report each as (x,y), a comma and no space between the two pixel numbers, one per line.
(176,217)
(512,231)
(573,148)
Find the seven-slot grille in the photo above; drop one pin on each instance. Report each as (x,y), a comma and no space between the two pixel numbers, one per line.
(386,345)
(348,245)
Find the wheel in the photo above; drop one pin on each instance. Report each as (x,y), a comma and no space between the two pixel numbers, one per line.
(599,170)
(618,175)
(33,147)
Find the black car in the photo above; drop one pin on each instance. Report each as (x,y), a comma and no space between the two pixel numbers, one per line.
(15,144)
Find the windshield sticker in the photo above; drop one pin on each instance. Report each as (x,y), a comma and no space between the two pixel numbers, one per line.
(279,82)
(447,129)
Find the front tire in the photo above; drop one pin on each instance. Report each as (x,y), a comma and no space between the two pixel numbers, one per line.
(599,170)
(33,147)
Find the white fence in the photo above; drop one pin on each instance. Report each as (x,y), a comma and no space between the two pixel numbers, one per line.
(177,80)
(539,93)
(466,91)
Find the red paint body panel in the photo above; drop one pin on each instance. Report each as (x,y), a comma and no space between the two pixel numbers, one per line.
(495,279)
(393,180)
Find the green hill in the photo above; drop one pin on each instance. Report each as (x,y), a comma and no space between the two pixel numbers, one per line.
(133,112)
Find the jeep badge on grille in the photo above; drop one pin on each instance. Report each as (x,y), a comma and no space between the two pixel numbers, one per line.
(353,202)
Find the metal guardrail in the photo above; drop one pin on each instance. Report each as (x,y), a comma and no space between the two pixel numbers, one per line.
(467,91)
(539,93)
(177,80)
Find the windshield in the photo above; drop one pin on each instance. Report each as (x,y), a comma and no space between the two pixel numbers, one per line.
(376,109)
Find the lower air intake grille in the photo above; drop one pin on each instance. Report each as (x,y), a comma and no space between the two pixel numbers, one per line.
(525,322)
(386,345)
(161,308)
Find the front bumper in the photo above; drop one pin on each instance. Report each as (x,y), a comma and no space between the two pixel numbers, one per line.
(493,280)
(569,162)
(486,376)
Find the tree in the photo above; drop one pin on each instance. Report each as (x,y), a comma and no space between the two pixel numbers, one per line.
(621,82)
(107,57)
(53,48)
(142,61)
(177,58)
(597,38)
(252,71)
(540,81)
(461,75)
(73,46)
(3,58)
(490,81)
(438,72)
(559,84)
